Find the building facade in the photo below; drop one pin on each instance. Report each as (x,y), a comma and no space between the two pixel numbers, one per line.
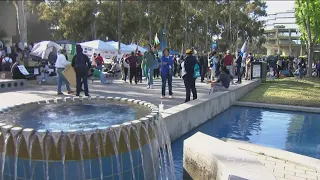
(282,35)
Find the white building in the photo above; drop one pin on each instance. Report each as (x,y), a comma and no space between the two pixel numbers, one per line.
(283,35)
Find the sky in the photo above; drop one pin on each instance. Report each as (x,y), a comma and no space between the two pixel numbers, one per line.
(275,6)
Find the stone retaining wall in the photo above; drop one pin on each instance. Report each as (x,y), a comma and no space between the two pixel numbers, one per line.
(7,85)
(182,118)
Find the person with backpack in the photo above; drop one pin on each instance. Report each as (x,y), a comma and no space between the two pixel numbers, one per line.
(81,65)
(191,69)
(6,63)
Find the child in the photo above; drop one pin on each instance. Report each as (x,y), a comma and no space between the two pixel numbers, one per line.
(44,73)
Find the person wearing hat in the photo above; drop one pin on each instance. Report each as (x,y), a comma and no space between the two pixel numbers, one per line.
(188,75)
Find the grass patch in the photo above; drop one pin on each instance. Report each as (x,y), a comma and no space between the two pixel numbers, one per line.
(288,91)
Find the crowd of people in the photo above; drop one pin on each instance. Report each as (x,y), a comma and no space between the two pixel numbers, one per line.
(218,69)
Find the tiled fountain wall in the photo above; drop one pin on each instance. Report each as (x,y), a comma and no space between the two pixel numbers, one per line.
(183,118)
(126,151)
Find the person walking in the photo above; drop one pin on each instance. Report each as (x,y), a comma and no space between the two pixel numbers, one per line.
(166,72)
(125,68)
(81,65)
(61,64)
(188,68)
(133,63)
(150,63)
(239,68)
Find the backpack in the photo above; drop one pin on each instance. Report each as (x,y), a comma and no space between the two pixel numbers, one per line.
(80,63)
(196,71)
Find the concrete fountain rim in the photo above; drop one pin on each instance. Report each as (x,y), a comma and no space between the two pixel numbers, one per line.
(149,117)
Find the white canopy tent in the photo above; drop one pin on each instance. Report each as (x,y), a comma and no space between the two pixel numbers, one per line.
(123,48)
(141,49)
(99,45)
(43,49)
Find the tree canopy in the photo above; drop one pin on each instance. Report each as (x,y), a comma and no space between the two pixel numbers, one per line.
(188,23)
(307,17)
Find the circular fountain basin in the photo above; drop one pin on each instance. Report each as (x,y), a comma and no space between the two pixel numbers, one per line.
(80,138)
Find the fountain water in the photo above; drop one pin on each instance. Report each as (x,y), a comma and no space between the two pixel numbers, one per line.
(137,149)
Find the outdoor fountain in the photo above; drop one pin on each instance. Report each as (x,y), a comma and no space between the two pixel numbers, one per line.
(62,139)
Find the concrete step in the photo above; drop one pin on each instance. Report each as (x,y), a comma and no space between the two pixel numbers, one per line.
(12,84)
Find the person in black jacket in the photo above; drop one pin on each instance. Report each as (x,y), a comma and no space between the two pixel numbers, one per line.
(188,78)
(81,65)
(239,69)
(203,66)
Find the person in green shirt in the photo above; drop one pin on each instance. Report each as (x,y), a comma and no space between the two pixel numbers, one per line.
(149,60)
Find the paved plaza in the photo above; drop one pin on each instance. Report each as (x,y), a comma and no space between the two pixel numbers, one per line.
(117,89)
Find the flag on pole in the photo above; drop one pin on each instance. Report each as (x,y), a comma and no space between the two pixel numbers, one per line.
(244,47)
(156,41)
(137,49)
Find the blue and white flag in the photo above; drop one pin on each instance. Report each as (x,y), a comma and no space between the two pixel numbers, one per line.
(244,47)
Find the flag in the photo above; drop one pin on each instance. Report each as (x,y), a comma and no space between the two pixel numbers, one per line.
(244,47)
(156,41)
(137,49)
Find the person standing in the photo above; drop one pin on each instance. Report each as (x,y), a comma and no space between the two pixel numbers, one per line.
(301,66)
(203,66)
(188,78)
(318,68)
(139,69)
(61,64)
(156,71)
(166,72)
(133,63)
(228,63)
(151,63)
(99,62)
(125,68)
(81,65)
(213,65)
(239,68)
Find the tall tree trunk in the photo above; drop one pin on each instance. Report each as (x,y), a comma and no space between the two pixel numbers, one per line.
(22,22)
(310,56)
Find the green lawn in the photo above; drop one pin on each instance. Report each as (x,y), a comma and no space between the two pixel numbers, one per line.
(288,91)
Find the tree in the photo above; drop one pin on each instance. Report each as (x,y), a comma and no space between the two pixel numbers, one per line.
(307,17)
(21,20)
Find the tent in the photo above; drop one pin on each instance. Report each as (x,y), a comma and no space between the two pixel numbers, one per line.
(99,45)
(44,48)
(141,49)
(123,48)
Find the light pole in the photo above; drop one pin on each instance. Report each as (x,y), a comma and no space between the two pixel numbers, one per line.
(119,24)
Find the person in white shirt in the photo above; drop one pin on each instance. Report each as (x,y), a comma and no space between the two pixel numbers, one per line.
(6,63)
(61,64)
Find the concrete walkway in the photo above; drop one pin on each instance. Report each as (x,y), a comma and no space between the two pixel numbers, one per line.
(117,89)
(283,164)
